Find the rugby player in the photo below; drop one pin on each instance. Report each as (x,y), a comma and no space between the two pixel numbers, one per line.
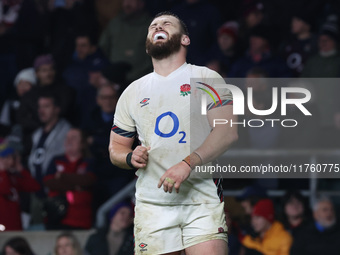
(175,209)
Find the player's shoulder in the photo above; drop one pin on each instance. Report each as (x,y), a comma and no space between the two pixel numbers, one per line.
(204,72)
(137,85)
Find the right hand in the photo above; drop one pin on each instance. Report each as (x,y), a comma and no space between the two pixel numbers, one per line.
(139,157)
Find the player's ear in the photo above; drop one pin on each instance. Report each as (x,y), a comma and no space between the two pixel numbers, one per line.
(185,40)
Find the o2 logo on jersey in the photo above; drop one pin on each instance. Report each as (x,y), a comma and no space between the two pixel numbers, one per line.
(174,129)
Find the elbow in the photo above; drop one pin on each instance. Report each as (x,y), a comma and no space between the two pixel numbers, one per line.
(114,158)
(112,155)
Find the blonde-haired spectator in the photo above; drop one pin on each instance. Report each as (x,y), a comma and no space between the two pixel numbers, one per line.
(67,244)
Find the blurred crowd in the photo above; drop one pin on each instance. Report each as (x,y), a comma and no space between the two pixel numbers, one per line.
(64,64)
(256,225)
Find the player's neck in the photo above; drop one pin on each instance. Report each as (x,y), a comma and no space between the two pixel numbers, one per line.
(166,66)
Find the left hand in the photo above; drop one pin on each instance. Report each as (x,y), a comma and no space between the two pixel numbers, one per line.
(176,175)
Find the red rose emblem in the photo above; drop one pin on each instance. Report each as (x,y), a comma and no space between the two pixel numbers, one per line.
(185,89)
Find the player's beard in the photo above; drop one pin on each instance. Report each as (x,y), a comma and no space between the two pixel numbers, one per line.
(163,50)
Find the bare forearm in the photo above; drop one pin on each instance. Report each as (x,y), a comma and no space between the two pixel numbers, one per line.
(219,139)
(118,149)
(118,156)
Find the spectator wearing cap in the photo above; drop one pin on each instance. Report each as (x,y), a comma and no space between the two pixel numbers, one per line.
(13,179)
(271,238)
(117,238)
(326,63)
(124,38)
(250,196)
(298,49)
(202,31)
(46,82)
(83,71)
(24,81)
(111,179)
(320,236)
(225,52)
(260,55)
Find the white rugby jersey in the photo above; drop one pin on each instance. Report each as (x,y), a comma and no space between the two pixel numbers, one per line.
(162,110)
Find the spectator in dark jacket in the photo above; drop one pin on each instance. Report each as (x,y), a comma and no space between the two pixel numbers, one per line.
(260,55)
(302,45)
(86,63)
(202,30)
(295,212)
(110,178)
(13,179)
(225,52)
(117,239)
(123,39)
(321,236)
(325,63)
(71,175)
(24,82)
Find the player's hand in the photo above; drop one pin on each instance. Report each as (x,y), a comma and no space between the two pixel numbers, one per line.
(139,157)
(174,176)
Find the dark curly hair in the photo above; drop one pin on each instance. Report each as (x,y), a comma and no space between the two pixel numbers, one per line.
(184,28)
(19,245)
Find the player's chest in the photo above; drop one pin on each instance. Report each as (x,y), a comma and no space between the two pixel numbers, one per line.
(161,102)
(160,97)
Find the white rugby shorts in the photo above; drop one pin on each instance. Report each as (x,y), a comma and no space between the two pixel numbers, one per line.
(162,229)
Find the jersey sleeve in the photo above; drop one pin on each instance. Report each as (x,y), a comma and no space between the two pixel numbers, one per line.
(123,120)
(219,94)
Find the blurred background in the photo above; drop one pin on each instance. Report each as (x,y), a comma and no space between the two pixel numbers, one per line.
(63,66)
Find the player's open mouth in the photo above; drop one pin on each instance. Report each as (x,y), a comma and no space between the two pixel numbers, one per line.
(159,36)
